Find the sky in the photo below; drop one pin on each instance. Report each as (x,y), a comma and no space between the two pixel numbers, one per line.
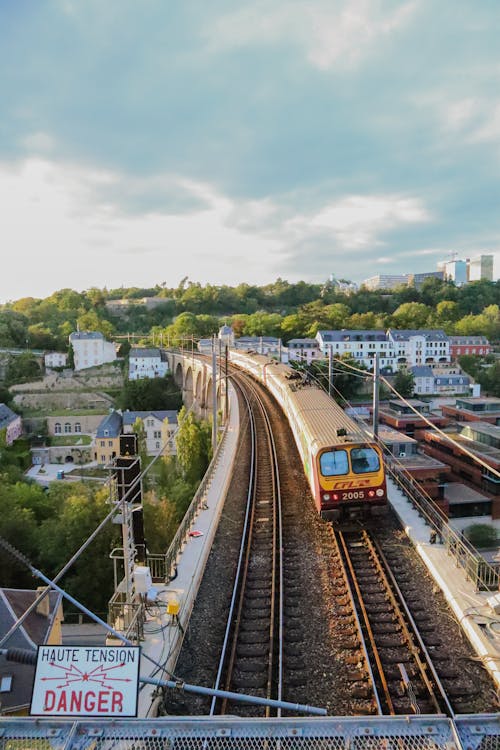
(144,141)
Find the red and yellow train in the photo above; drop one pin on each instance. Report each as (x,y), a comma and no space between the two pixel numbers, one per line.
(343,464)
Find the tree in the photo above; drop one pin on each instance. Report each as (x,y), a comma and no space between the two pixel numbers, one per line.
(22,368)
(404,383)
(481,535)
(150,393)
(411,315)
(194,447)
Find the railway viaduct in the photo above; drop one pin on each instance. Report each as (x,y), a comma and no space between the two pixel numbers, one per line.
(194,376)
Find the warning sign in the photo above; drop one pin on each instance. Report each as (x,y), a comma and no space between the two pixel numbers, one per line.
(86,681)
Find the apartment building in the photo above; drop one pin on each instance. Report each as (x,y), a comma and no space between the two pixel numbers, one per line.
(147,363)
(362,345)
(91,349)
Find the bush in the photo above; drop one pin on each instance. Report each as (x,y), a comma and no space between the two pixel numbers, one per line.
(481,535)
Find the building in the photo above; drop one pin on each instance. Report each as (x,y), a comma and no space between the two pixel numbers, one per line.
(226,336)
(480,267)
(106,445)
(479,346)
(41,627)
(361,345)
(303,350)
(90,349)
(147,363)
(385,281)
(159,428)
(484,409)
(423,379)
(481,440)
(55,359)
(400,415)
(268,345)
(11,423)
(417,279)
(452,384)
(455,270)
(402,453)
(419,347)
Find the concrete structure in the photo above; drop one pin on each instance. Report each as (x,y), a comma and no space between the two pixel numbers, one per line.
(91,349)
(476,345)
(303,350)
(159,428)
(11,423)
(400,416)
(106,444)
(83,424)
(385,281)
(456,271)
(55,359)
(480,267)
(41,627)
(481,440)
(484,409)
(417,279)
(147,363)
(419,347)
(359,344)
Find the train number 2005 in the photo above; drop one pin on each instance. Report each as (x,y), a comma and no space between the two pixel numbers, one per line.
(355,495)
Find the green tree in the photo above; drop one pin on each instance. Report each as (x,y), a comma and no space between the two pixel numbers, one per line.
(404,383)
(194,447)
(150,393)
(482,535)
(22,368)
(411,315)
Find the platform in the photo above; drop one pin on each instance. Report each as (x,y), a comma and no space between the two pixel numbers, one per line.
(477,619)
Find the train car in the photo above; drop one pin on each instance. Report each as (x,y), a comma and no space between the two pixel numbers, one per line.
(343,465)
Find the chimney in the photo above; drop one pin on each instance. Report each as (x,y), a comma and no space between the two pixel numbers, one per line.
(43,607)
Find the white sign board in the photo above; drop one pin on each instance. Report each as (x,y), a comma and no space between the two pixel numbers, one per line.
(86,681)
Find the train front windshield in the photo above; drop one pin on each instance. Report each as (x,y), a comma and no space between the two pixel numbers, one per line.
(363,461)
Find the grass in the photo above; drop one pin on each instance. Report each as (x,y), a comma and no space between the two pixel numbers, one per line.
(70,440)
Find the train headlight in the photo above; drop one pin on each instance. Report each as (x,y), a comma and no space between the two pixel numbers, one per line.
(326,496)
(380,493)
(371,493)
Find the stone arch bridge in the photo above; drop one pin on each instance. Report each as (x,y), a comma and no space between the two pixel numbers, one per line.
(193,374)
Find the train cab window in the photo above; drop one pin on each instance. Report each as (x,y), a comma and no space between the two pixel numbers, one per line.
(333,463)
(364,460)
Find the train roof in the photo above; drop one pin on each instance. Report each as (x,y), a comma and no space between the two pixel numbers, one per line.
(321,416)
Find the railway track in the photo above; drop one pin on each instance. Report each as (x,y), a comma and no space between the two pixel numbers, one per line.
(394,667)
(251,660)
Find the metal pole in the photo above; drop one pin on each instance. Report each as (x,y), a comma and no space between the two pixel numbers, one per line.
(214,396)
(330,369)
(376,388)
(226,395)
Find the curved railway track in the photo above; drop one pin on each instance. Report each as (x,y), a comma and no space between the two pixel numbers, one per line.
(251,660)
(395,664)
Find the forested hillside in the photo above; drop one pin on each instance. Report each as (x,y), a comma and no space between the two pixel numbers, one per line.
(279,309)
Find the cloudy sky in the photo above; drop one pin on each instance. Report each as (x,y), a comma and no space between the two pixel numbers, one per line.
(142,141)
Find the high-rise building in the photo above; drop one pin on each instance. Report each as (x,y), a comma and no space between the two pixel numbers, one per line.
(456,271)
(386,281)
(480,267)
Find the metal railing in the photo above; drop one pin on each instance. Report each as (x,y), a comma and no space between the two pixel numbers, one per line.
(484,576)
(194,732)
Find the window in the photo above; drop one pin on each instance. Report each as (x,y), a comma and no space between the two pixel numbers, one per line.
(333,463)
(6,683)
(157,445)
(67,427)
(57,428)
(78,427)
(364,460)
(103,459)
(103,443)
(110,443)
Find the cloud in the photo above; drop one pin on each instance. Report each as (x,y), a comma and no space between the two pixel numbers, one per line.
(330,34)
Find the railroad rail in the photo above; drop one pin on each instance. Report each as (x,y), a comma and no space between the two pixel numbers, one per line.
(395,664)
(252,656)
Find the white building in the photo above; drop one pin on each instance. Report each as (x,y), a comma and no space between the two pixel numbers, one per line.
(386,281)
(304,350)
(481,267)
(146,363)
(159,427)
(419,347)
(361,345)
(55,359)
(91,349)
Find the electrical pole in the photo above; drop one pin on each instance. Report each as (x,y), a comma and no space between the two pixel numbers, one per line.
(214,396)
(330,369)
(376,388)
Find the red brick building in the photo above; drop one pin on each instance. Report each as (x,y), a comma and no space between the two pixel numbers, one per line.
(461,345)
(400,415)
(485,409)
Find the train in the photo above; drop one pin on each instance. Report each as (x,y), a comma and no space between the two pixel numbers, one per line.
(344,466)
